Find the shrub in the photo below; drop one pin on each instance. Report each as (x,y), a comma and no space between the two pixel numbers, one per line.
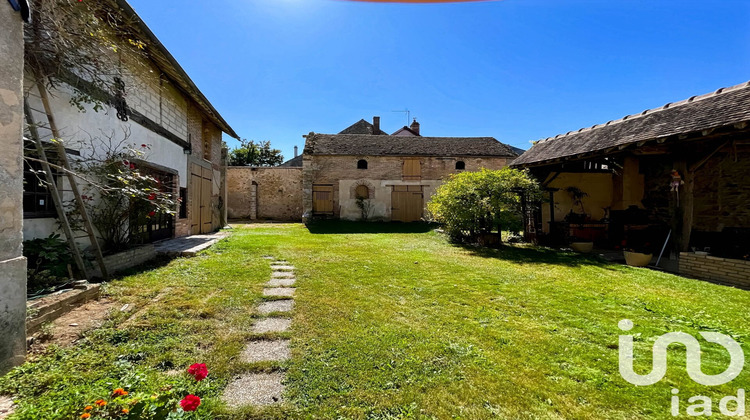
(473,203)
(48,260)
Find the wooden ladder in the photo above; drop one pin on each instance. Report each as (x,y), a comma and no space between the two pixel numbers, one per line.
(56,193)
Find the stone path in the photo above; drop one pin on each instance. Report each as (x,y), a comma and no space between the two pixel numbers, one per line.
(260,389)
(187,246)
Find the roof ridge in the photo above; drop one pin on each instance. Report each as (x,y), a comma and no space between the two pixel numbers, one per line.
(669,105)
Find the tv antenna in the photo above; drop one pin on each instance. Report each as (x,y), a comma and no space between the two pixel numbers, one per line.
(408,114)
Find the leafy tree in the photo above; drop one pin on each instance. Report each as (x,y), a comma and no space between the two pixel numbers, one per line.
(252,153)
(473,203)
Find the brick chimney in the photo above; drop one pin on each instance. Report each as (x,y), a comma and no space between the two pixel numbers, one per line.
(415,126)
(295,151)
(376,125)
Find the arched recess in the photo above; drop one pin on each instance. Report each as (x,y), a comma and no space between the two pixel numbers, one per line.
(370,189)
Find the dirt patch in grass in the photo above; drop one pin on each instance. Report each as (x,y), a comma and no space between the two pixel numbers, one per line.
(67,329)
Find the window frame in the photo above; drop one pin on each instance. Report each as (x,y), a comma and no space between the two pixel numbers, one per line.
(362,164)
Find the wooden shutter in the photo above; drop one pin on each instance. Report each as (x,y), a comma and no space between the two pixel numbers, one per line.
(412,170)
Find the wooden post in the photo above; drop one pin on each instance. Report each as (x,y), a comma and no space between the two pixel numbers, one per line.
(683,217)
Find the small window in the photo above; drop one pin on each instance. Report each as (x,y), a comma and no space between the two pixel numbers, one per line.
(362,192)
(183,203)
(361,164)
(460,165)
(37,198)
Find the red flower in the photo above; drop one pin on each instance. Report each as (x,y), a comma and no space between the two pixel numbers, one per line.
(151,213)
(125,162)
(190,403)
(152,196)
(119,392)
(132,166)
(143,146)
(198,371)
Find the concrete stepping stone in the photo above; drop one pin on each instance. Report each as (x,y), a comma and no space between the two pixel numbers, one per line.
(285,305)
(280,262)
(266,351)
(282,267)
(279,291)
(281,282)
(282,274)
(255,389)
(270,325)
(268,257)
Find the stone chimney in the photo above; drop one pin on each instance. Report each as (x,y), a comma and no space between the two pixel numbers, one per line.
(376,125)
(415,126)
(295,151)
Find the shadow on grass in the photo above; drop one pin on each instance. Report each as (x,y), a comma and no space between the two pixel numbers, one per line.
(157,262)
(537,255)
(327,227)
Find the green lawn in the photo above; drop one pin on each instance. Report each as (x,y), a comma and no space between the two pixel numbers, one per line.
(391,321)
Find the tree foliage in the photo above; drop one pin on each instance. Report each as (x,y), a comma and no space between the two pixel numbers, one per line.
(472,203)
(252,153)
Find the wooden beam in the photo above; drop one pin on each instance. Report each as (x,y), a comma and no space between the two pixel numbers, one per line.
(701,162)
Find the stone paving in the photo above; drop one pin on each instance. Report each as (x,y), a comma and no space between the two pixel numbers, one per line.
(285,305)
(260,389)
(279,291)
(187,246)
(265,351)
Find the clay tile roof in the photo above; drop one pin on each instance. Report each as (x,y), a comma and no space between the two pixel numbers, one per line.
(368,145)
(723,107)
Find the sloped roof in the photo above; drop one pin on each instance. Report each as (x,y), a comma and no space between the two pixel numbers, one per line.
(368,145)
(406,132)
(360,127)
(293,162)
(723,107)
(167,63)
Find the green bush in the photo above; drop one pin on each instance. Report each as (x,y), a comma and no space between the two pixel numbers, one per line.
(48,260)
(473,203)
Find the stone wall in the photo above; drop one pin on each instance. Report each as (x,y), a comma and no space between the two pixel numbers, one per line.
(264,193)
(156,98)
(723,270)
(382,173)
(127,259)
(722,192)
(12,262)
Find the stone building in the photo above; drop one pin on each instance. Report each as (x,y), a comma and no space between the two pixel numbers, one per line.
(362,171)
(12,261)
(683,167)
(167,113)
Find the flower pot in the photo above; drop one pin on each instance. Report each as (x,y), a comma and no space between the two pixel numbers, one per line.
(636,259)
(582,247)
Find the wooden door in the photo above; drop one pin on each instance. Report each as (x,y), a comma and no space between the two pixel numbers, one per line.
(407,203)
(206,190)
(323,199)
(200,190)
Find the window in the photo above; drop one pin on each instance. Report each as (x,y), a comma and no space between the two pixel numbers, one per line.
(183,203)
(362,192)
(460,165)
(361,164)
(412,170)
(37,198)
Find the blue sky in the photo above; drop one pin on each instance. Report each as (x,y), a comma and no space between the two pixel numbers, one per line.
(516,70)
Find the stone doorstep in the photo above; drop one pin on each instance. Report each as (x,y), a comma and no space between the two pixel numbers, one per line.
(270,325)
(266,351)
(255,389)
(281,283)
(279,291)
(285,305)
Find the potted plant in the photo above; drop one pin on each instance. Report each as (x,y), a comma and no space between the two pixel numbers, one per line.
(637,254)
(581,245)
